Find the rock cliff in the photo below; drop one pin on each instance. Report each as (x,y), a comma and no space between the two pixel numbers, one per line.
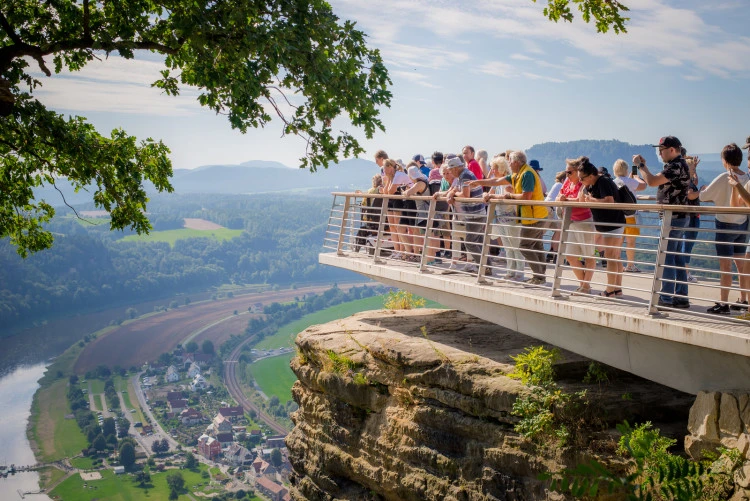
(416,405)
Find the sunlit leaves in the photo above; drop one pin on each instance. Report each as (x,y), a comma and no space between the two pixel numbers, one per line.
(605,13)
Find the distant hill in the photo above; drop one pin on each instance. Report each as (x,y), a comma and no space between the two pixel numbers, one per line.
(261,176)
(255,176)
(552,156)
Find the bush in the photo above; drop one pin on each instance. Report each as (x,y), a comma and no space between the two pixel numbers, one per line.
(402,300)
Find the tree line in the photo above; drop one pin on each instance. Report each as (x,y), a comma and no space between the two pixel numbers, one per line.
(90,267)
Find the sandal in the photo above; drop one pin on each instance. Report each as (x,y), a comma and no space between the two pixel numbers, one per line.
(618,292)
(607,294)
(583,290)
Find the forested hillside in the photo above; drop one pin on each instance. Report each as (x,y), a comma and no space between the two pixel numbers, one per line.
(89,267)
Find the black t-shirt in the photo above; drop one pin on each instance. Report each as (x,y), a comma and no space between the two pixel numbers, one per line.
(605,187)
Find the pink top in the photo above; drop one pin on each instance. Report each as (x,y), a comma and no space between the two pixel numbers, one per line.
(571,191)
(476,169)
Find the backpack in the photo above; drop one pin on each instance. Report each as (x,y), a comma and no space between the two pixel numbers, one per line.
(625,196)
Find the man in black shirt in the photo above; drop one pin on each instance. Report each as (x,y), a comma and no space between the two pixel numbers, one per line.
(672,182)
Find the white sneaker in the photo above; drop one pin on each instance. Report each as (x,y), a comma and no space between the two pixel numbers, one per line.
(457,266)
(691,278)
(471,268)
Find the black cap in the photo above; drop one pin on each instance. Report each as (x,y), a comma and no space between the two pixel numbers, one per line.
(669,142)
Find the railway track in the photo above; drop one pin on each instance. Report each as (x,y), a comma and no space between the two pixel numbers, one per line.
(234,388)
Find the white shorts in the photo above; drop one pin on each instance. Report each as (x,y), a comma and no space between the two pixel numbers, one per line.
(580,244)
(613,233)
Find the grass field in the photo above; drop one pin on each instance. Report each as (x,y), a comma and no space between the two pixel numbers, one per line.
(99,402)
(138,416)
(171,236)
(55,436)
(83,463)
(274,376)
(49,476)
(285,336)
(96,385)
(122,487)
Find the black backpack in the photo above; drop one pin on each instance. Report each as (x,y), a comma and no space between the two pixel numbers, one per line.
(625,196)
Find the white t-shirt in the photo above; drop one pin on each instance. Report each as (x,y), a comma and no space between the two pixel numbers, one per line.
(631,183)
(720,193)
(401,179)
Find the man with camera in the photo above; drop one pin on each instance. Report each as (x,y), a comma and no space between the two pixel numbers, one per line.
(672,183)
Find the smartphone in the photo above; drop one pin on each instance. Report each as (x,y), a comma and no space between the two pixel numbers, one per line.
(634,170)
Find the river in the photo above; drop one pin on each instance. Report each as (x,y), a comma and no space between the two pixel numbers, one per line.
(17,389)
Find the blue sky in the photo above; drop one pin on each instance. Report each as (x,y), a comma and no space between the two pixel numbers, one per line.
(492,73)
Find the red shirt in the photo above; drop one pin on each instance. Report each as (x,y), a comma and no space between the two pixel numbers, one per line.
(571,191)
(476,169)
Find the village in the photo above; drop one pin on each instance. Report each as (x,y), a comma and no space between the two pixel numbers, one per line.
(190,404)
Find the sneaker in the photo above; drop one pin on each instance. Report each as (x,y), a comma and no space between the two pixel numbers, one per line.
(488,271)
(536,281)
(550,257)
(519,278)
(719,309)
(456,266)
(680,303)
(396,255)
(739,305)
(632,269)
(471,268)
(665,304)
(691,278)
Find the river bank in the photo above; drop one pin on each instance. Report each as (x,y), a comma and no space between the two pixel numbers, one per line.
(17,389)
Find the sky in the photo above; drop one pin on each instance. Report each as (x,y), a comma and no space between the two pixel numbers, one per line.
(495,74)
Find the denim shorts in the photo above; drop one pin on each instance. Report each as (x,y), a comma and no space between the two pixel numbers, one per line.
(731,244)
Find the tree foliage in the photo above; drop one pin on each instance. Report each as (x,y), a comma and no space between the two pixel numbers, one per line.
(246,57)
(127,455)
(605,13)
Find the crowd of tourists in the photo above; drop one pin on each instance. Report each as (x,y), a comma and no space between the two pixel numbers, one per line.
(518,230)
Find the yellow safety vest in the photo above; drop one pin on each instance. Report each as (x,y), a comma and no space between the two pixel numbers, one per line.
(526,211)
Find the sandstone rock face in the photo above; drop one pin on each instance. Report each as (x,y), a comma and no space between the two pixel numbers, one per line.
(718,419)
(416,405)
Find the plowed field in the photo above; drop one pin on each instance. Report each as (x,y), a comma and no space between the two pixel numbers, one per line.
(145,339)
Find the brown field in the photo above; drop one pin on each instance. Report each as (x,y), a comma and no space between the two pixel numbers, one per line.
(219,333)
(200,224)
(145,339)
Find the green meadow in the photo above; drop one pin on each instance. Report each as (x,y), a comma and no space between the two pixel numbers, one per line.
(171,236)
(274,376)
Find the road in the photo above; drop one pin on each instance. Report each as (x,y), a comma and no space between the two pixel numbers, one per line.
(159,432)
(234,388)
(145,444)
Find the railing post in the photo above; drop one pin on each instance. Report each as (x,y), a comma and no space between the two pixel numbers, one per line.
(381,228)
(557,274)
(427,235)
(661,255)
(485,241)
(342,231)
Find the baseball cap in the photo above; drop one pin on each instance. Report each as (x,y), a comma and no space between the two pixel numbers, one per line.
(534,164)
(418,158)
(454,162)
(415,173)
(668,142)
(747,143)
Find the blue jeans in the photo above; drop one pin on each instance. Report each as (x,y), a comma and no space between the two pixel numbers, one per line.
(674,262)
(694,221)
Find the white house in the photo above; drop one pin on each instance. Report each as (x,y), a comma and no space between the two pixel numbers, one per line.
(172,375)
(199,383)
(194,370)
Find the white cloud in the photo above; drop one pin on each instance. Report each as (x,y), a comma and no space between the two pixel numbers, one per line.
(414,77)
(498,69)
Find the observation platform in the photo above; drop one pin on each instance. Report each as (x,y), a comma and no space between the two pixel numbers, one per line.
(686,349)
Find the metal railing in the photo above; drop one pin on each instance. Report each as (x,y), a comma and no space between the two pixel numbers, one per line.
(426,233)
